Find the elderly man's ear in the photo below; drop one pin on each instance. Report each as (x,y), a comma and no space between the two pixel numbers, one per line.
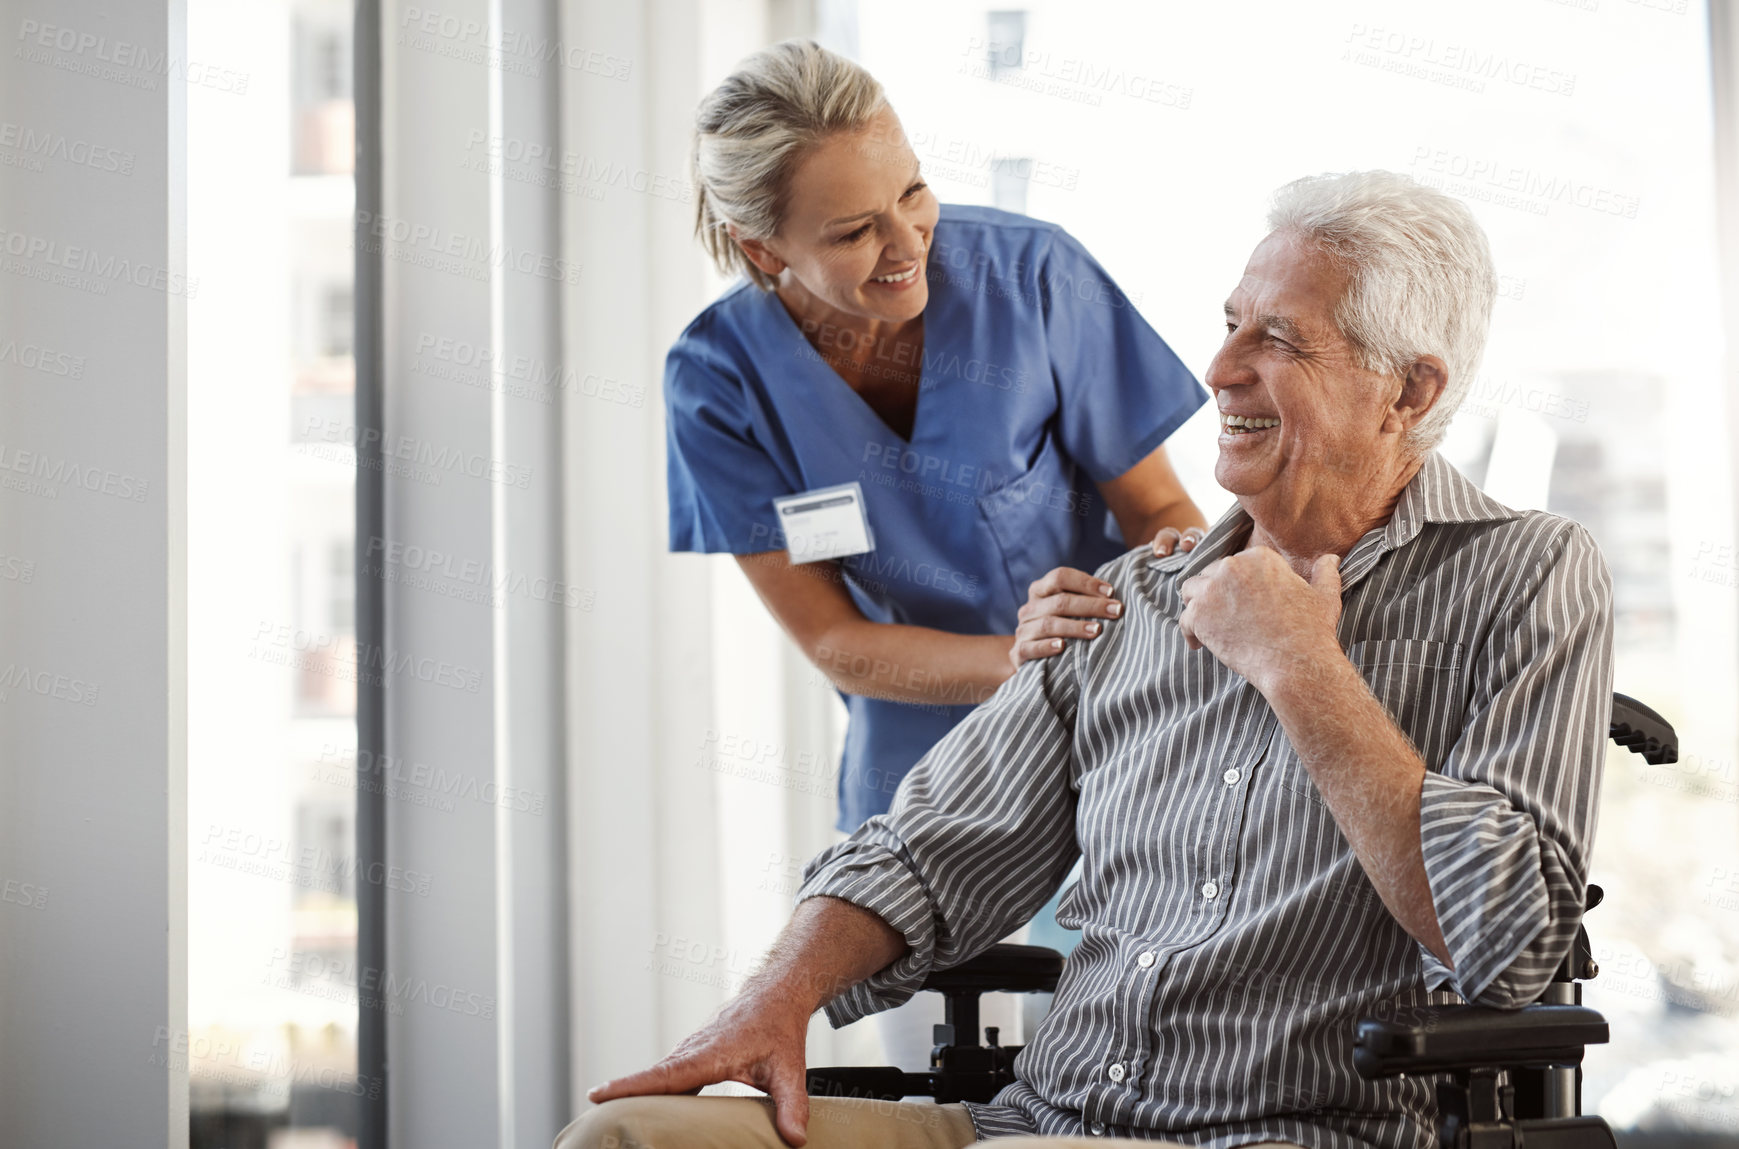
(1420,391)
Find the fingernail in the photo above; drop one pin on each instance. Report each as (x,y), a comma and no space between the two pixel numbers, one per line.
(1092,628)
(1105,588)
(1114,610)
(1056,644)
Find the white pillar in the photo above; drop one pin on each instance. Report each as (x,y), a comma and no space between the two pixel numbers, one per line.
(1724,73)
(93,835)
(476,601)
(639,681)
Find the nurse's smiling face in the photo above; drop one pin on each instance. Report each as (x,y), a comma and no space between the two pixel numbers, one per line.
(1326,430)
(856,231)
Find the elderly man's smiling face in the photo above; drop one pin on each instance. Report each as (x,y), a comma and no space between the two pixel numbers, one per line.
(1328,434)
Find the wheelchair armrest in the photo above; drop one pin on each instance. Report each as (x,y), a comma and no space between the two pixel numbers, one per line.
(1004,968)
(1452,1037)
(1642,731)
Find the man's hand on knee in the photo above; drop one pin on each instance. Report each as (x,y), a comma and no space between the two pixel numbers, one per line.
(756,1040)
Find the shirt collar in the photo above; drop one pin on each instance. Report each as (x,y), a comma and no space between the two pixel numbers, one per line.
(1437,493)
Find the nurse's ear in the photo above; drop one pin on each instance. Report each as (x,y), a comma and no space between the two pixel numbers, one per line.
(758,253)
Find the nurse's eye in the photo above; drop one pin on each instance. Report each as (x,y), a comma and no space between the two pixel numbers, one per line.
(854,235)
(915,189)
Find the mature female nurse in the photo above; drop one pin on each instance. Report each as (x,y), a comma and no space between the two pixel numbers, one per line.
(916,426)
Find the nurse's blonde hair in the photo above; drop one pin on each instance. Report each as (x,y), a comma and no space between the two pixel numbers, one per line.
(753,130)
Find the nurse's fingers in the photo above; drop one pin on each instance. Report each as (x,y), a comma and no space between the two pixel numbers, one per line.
(1059,580)
(1171,539)
(1057,626)
(1066,605)
(1033,651)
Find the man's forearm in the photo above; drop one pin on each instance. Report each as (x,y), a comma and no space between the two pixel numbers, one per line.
(1371,778)
(828,946)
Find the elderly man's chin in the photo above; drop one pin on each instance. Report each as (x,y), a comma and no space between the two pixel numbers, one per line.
(1241,474)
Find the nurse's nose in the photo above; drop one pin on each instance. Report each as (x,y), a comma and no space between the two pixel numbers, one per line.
(908,245)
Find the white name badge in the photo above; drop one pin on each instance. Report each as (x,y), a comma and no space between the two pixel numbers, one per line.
(825,523)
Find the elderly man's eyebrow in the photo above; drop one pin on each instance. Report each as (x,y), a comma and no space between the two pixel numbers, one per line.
(1282,327)
(1278,324)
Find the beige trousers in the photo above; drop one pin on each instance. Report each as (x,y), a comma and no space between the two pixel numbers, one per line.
(686,1122)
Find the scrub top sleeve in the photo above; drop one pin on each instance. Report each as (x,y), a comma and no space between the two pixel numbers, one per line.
(722,482)
(1122,390)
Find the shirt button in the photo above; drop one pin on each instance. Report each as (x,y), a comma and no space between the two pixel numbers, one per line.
(1210,889)
(1146,959)
(1231,776)
(1097,1129)
(1114,1071)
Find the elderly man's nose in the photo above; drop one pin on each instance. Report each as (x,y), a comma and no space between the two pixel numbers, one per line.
(1225,371)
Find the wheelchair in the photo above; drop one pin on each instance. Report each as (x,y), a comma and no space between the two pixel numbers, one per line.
(1507,1078)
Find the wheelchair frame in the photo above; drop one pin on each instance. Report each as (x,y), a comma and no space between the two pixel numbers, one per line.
(1508,1078)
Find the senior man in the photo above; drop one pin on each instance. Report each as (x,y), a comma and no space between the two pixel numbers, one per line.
(1340,759)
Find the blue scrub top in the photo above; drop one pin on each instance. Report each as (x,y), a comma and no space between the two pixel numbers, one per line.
(1039,380)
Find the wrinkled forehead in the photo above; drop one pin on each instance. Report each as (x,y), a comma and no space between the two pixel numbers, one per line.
(852,172)
(1293,279)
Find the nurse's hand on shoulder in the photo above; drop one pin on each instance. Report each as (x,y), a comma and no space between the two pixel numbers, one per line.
(1066,603)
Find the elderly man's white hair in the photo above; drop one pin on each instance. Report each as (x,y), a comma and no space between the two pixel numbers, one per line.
(1421,276)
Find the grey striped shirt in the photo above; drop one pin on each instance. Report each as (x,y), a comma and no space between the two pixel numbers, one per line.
(1229,938)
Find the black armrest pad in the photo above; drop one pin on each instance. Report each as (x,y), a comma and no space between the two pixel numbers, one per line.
(1010,969)
(1642,731)
(1438,1038)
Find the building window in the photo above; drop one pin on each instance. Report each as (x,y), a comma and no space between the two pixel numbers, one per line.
(337,320)
(1010,176)
(1005,42)
(341,588)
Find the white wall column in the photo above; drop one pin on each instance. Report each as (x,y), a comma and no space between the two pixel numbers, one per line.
(1724,76)
(475,598)
(93,499)
(641,863)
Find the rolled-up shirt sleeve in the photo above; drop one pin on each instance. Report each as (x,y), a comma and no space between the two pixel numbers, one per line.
(981,832)
(1508,819)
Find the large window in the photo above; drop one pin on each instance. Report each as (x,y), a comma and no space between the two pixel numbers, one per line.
(1579,133)
(271,775)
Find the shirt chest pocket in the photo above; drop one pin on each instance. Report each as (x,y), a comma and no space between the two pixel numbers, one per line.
(1418,682)
(1422,684)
